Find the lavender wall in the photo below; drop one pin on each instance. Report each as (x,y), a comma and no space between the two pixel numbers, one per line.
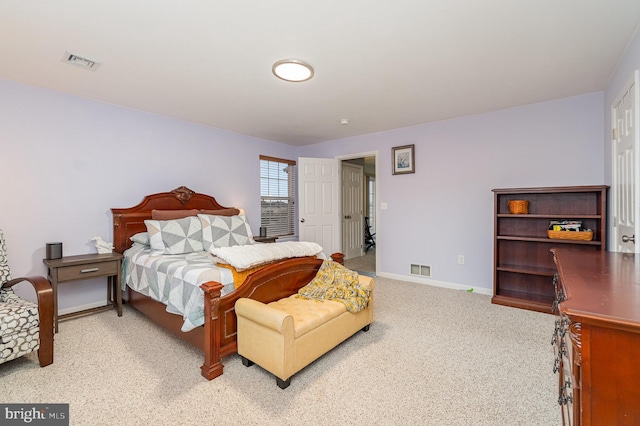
(67,161)
(446,208)
(64,168)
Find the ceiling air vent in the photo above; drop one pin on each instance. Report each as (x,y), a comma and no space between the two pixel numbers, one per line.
(72,59)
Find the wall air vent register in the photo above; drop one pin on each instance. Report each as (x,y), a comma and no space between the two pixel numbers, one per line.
(79,61)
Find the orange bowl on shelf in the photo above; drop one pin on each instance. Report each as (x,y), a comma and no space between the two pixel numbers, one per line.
(518,206)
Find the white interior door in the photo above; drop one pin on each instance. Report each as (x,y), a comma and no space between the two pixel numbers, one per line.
(319,202)
(626,165)
(352,210)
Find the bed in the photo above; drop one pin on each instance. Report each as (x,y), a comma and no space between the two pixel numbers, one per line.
(217,336)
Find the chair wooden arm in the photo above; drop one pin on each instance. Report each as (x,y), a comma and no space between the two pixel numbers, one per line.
(44,293)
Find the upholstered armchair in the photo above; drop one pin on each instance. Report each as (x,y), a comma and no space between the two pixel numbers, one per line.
(24,326)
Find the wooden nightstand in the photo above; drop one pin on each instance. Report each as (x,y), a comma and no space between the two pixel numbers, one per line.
(265,239)
(84,267)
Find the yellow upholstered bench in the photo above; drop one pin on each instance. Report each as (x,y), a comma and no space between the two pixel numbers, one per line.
(285,336)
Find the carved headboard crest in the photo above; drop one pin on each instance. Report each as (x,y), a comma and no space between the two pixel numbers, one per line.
(183,194)
(129,221)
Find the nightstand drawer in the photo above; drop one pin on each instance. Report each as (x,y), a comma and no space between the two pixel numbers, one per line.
(88,270)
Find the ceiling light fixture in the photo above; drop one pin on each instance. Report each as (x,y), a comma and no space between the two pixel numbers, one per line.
(292,70)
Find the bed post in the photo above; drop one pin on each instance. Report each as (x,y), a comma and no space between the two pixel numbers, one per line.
(212,366)
(338,257)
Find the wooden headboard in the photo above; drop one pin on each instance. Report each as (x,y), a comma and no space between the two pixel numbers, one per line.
(130,221)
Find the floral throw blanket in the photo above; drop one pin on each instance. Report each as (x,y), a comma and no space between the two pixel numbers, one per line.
(335,282)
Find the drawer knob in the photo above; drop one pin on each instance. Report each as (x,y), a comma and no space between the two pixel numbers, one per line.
(84,271)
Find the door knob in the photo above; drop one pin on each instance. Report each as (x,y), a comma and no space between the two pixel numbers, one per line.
(302,220)
(626,238)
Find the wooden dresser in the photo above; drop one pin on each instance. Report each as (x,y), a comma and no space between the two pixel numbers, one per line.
(597,336)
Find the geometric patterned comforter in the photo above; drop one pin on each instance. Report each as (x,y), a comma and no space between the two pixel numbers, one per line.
(174,280)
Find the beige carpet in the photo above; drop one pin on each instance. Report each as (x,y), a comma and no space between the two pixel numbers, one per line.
(433,356)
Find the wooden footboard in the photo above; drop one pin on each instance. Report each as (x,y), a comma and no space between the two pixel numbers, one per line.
(217,338)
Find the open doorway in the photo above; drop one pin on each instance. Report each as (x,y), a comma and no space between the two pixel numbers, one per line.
(359,196)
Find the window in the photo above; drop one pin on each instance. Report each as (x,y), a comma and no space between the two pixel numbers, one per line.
(277,195)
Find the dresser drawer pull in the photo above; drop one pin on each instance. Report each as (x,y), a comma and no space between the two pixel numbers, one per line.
(84,271)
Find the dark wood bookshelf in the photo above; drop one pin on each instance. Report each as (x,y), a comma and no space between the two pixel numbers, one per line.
(523,264)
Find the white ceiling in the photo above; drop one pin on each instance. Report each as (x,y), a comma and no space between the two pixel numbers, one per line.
(379,63)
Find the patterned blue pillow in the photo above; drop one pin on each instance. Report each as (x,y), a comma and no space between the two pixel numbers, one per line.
(225,231)
(177,236)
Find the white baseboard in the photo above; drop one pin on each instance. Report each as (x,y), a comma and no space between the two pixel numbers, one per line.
(73,309)
(418,280)
(427,281)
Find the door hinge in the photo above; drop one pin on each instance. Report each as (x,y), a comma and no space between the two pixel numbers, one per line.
(613,134)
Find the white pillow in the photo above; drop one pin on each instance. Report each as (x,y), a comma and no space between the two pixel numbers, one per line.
(225,231)
(141,238)
(176,236)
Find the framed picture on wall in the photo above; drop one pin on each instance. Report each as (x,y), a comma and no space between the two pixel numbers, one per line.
(403,159)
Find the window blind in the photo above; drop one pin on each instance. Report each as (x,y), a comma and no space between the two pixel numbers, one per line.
(277,195)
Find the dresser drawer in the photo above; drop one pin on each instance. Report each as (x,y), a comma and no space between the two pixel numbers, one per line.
(88,270)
